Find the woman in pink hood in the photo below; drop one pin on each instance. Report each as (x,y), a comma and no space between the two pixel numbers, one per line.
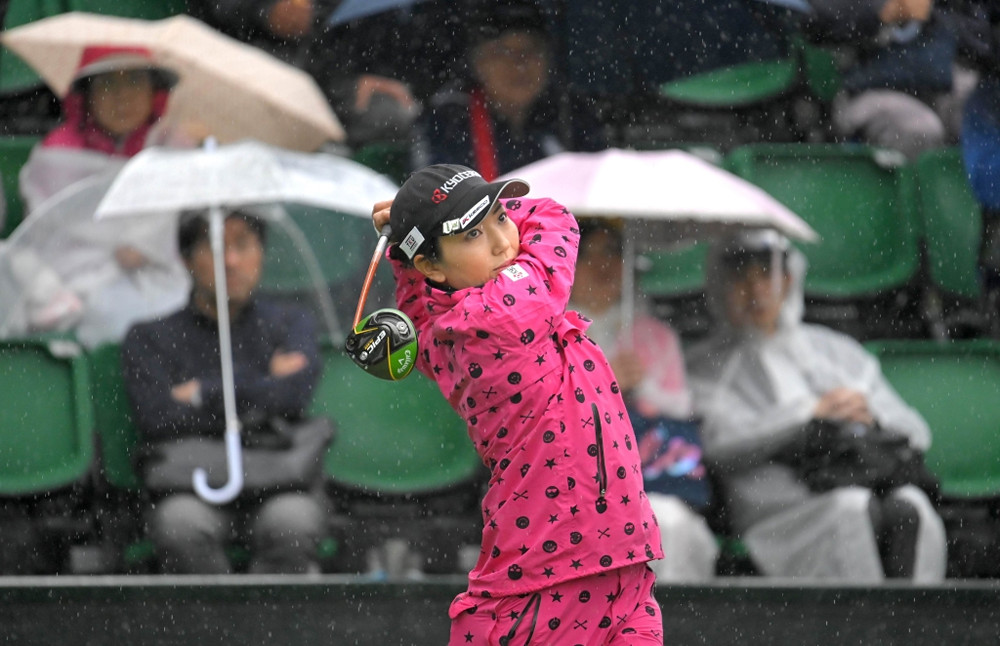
(485,277)
(97,278)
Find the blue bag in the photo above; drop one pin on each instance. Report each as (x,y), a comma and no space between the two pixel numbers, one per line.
(672,462)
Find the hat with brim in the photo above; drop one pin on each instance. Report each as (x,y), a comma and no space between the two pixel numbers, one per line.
(102,60)
(444,200)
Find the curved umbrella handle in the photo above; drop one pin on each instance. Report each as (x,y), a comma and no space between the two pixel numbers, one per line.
(234,465)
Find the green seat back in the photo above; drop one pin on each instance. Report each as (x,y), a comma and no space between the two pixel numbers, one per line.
(735,86)
(46,421)
(951,221)
(145,9)
(857,199)
(675,273)
(392,437)
(113,414)
(14,151)
(956,387)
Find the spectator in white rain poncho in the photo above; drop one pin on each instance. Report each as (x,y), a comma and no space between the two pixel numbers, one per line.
(759,382)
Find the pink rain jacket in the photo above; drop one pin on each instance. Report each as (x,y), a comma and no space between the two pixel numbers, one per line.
(565,497)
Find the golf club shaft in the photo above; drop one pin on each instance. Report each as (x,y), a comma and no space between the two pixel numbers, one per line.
(370,276)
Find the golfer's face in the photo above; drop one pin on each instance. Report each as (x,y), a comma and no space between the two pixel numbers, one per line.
(121,102)
(474,257)
(243,259)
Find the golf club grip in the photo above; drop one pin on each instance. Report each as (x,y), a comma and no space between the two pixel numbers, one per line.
(370,276)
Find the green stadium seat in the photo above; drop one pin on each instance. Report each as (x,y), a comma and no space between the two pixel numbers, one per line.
(14,151)
(951,221)
(393,438)
(855,197)
(47,422)
(956,387)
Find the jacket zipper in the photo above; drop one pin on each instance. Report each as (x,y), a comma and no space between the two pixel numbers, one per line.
(602,473)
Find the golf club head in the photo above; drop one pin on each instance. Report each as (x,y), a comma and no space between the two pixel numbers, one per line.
(384,344)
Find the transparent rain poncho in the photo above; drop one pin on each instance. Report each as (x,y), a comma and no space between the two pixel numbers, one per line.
(61,271)
(755,394)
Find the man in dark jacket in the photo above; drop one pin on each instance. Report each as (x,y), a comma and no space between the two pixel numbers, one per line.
(173,377)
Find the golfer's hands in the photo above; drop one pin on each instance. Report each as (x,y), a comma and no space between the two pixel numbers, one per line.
(844,405)
(380,214)
(284,364)
(628,370)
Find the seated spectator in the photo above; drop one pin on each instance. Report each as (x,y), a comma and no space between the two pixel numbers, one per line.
(173,378)
(99,279)
(758,381)
(649,368)
(509,112)
(346,61)
(110,113)
(902,84)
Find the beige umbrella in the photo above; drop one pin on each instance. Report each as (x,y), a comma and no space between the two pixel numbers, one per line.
(227,89)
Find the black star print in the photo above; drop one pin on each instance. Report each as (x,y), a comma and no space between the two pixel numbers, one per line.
(621,415)
(598,390)
(576,565)
(553,518)
(550,270)
(611,596)
(574,510)
(493,524)
(532,290)
(523,549)
(550,463)
(468,638)
(625,500)
(437,370)
(487,309)
(498,355)
(547,572)
(614,444)
(540,359)
(630,556)
(556,597)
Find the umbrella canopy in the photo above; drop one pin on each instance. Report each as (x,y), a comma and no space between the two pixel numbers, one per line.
(667,195)
(230,90)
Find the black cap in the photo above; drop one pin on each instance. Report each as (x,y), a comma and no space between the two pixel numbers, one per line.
(444,200)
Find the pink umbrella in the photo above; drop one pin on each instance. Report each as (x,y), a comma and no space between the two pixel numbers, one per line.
(663,196)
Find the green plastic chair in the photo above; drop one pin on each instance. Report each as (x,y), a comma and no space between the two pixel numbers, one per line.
(956,387)
(859,201)
(113,413)
(14,151)
(47,420)
(396,438)
(951,222)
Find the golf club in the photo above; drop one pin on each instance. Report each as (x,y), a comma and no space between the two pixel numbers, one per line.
(384,343)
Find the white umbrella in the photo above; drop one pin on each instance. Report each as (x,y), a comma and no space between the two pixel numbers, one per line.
(664,196)
(159,180)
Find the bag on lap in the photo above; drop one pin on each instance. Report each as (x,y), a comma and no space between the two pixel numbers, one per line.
(286,457)
(838,455)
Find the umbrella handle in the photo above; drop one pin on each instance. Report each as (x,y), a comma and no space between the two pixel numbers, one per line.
(234,465)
